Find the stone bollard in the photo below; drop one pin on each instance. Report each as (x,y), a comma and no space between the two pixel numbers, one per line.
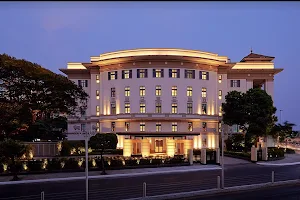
(265,153)
(217,156)
(253,154)
(191,156)
(203,156)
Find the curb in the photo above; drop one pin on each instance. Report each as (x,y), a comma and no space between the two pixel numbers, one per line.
(107,176)
(278,164)
(216,191)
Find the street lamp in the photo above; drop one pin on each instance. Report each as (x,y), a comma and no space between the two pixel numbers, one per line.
(87,135)
(222,161)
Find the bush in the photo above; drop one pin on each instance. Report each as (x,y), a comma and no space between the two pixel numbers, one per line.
(177,159)
(290,151)
(274,152)
(108,151)
(197,151)
(54,164)
(35,165)
(1,168)
(238,154)
(71,163)
(131,162)
(144,161)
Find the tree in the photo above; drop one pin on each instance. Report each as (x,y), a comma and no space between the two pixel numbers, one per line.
(283,131)
(35,91)
(102,141)
(253,111)
(11,151)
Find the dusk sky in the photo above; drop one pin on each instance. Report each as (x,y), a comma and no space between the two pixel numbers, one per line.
(54,33)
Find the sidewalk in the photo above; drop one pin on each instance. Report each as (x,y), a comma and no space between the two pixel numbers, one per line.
(290,159)
(111,174)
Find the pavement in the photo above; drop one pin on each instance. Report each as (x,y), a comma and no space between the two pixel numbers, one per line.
(290,159)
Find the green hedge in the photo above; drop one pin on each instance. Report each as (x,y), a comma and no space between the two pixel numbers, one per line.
(275,152)
(234,154)
(290,151)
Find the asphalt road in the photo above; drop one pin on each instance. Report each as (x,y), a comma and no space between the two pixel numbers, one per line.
(290,192)
(131,187)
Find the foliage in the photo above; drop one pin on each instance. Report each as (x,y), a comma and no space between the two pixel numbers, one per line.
(282,131)
(235,142)
(290,151)
(234,154)
(35,92)
(68,146)
(274,152)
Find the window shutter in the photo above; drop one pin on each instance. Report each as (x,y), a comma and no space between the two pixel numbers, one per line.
(130,73)
(207,75)
(185,73)
(193,74)
(138,73)
(154,73)
(238,83)
(178,73)
(123,74)
(162,73)
(146,73)
(200,75)
(86,83)
(116,72)
(108,75)
(170,73)
(231,83)
(79,82)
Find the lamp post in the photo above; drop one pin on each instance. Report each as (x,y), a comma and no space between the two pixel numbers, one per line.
(222,161)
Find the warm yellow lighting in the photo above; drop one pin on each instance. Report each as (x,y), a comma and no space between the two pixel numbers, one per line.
(62,164)
(123,162)
(127,149)
(80,161)
(120,143)
(97,81)
(98,113)
(118,107)
(5,167)
(44,164)
(30,154)
(145,149)
(253,66)
(25,166)
(93,163)
(97,97)
(109,162)
(59,146)
(75,66)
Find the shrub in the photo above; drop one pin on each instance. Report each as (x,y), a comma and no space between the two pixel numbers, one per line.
(290,151)
(131,162)
(71,163)
(274,152)
(1,168)
(177,159)
(54,164)
(35,165)
(197,151)
(145,161)
(238,154)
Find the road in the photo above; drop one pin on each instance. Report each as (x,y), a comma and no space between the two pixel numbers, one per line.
(131,187)
(290,192)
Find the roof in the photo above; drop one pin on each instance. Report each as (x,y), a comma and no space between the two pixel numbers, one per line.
(257,57)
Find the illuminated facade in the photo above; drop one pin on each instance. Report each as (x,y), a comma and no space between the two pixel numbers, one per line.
(162,101)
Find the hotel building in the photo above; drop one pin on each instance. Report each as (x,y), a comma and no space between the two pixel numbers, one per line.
(163,101)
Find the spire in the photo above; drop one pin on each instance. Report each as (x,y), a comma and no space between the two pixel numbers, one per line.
(251,50)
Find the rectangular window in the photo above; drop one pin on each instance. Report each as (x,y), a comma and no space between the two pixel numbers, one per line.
(204,126)
(127,91)
(204,109)
(220,94)
(220,78)
(113,92)
(174,108)
(97,94)
(126,74)
(97,79)
(190,108)
(174,91)
(158,73)
(204,75)
(158,90)
(158,127)
(127,125)
(190,126)
(142,91)
(127,107)
(112,75)
(142,108)
(174,126)
(189,73)
(189,91)
(203,92)
(83,127)
(235,83)
(142,126)
(157,107)
(98,127)
(97,110)
(113,108)
(83,83)
(113,126)
(174,73)
(142,73)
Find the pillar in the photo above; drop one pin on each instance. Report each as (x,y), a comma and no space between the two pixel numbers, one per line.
(188,144)
(145,147)
(170,147)
(265,153)
(127,149)
(218,155)
(203,156)
(191,156)
(253,154)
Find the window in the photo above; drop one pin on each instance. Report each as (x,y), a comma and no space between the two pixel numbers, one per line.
(174,126)
(204,75)
(126,74)
(97,110)
(127,125)
(158,73)
(220,78)
(113,126)
(112,75)
(158,90)
(97,94)
(83,127)
(158,107)
(190,108)
(98,127)
(220,94)
(190,126)
(97,79)
(142,91)
(127,107)
(174,108)
(142,108)
(83,83)
(142,73)
(158,127)
(204,110)
(189,91)
(142,126)
(174,73)
(113,92)
(203,92)
(204,126)
(174,91)
(189,73)
(158,146)
(127,91)
(235,83)
(113,108)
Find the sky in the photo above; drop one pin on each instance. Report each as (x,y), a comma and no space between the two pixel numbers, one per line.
(54,33)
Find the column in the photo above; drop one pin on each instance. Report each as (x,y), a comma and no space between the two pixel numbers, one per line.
(188,144)
(145,147)
(127,149)
(270,87)
(170,147)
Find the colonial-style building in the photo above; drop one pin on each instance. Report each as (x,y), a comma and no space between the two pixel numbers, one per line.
(163,101)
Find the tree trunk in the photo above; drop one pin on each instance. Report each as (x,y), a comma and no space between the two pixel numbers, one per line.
(14,170)
(102,162)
